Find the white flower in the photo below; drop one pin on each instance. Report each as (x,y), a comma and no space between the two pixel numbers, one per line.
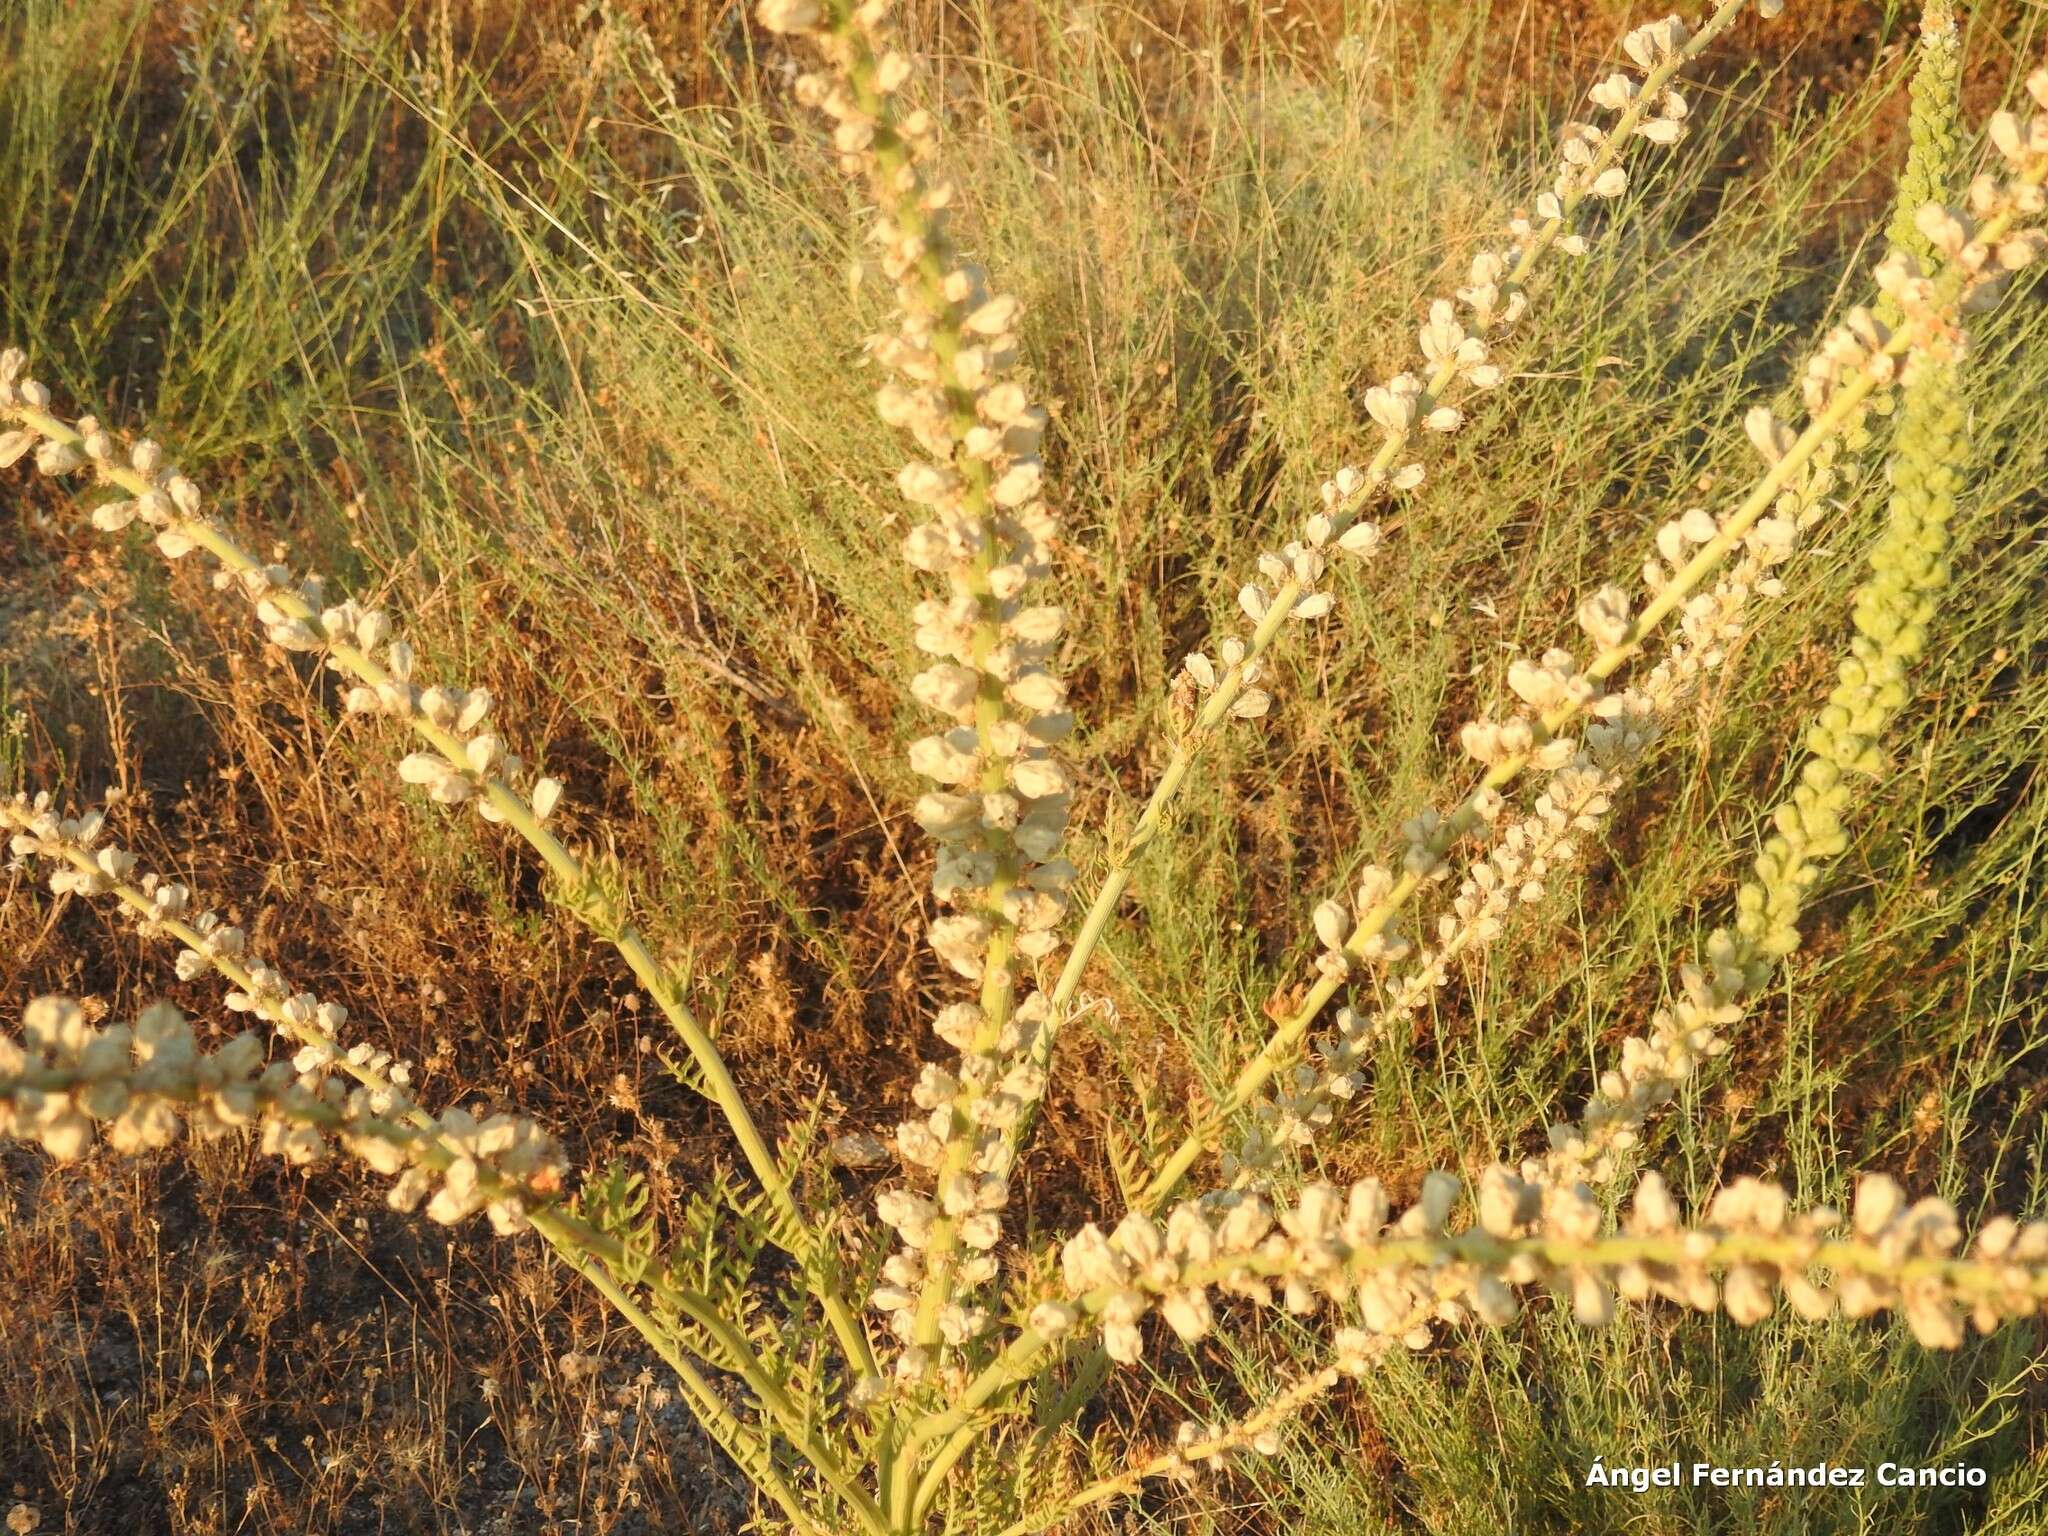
(1038,777)
(423,768)
(1605,617)
(1054,1318)
(1393,407)
(1360,539)
(1771,437)
(546,794)
(1614,93)
(788,15)
(1332,924)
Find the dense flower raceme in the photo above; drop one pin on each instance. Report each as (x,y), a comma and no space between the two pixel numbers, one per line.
(85,862)
(66,1082)
(1934,135)
(999,808)
(1401,1274)
(1981,244)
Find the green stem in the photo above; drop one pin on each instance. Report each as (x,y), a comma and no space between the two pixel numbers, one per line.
(752,1454)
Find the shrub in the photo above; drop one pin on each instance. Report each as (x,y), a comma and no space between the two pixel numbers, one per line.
(886,1374)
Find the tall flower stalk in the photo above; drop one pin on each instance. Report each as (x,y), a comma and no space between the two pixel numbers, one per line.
(998,810)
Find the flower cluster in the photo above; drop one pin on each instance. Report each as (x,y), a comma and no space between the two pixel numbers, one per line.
(1893,613)
(85,865)
(993,1088)
(998,810)
(1400,1274)
(1288,586)
(1934,132)
(67,1081)
(294,613)
(1908,1253)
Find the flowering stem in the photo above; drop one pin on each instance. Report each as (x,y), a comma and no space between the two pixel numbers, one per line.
(1840,410)
(1989,1279)
(578,1243)
(584,1248)
(1216,709)
(1700,1248)
(580,892)
(998,981)
(581,1245)
(1275,1410)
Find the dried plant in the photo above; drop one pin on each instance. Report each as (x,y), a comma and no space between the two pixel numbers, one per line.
(881,1374)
